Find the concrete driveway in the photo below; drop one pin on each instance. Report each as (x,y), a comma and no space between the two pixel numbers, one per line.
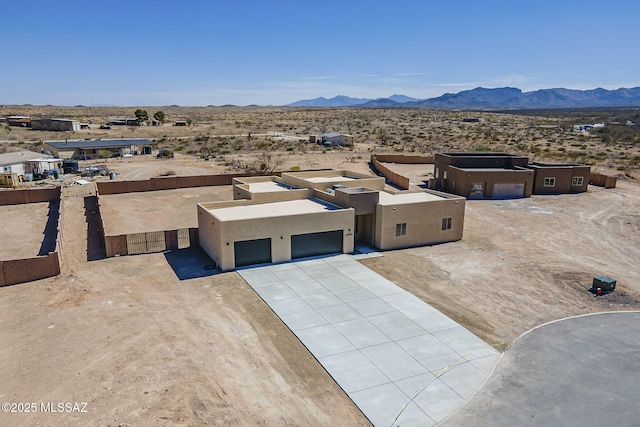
(401,361)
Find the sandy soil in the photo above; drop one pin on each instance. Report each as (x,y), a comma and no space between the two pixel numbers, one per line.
(157,210)
(143,347)
(31,219)
(528,261)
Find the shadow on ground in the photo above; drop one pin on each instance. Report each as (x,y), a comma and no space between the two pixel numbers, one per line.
(95,235)
(50,229)
(191,263)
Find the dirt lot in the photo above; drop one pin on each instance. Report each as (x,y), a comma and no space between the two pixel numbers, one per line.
(157,210)
(142,347)
(528,261)
(31,219)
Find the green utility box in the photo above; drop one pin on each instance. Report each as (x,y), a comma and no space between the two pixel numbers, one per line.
(607,284)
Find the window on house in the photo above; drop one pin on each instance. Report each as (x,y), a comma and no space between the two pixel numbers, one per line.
(401,229)
(446,224)
(549,182)
(7,169)
(577,181)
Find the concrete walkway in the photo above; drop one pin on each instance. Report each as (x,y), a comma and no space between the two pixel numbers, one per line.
(402,362)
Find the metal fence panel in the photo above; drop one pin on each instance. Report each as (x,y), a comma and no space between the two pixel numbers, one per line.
(156,241)
(136,243)
(184,241)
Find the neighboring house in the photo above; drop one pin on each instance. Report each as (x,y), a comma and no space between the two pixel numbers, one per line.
(579,128)
(89,149)
(24,164)
(483,175)
(315,213)
(19,121)
(480,175)
(333,138)
(17,162)
(123,121)
(55,124)
(560,178)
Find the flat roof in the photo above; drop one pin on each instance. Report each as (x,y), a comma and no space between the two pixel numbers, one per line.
(18,157)
(268,187)
(479,154)
(407,198)
(492,169)
(98,143)
(317,179)
(274,209)
(555,165)
(55,120)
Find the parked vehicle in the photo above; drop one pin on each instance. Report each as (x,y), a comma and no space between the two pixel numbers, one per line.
(165,154)
(92,171)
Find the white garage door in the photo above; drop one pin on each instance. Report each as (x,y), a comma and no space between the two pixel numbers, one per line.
(508,191)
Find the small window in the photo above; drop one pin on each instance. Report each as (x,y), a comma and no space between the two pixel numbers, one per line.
(7,168)
(577,181)
(549,182)
(401,229)
(446,224)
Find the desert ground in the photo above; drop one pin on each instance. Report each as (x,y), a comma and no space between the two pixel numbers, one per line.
(143,346)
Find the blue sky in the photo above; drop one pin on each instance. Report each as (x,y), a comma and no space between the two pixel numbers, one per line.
(198,52)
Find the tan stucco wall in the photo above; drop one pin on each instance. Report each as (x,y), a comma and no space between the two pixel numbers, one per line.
(209,234)
(299,179)
(564,177)
(424,223)
(459,181)
(215,234)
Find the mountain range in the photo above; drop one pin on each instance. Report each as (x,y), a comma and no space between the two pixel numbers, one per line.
(492,99)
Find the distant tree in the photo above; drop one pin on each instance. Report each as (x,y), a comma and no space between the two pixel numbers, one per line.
(141,115)
(159,116)
(104,154)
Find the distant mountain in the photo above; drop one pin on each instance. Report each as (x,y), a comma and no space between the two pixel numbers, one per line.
(494,99)
(512,98)
(402,98)
(382,103)
(336,101)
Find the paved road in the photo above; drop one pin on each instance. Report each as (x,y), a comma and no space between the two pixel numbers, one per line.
(581,371)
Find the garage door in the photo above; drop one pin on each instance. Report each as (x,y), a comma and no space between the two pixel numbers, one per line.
(312,244)
(508,191)
(249,252)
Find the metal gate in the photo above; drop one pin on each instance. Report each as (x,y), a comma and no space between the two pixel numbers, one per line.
(184,239)
(144,243)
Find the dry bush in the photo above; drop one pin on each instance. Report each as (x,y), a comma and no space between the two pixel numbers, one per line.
(231,131)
